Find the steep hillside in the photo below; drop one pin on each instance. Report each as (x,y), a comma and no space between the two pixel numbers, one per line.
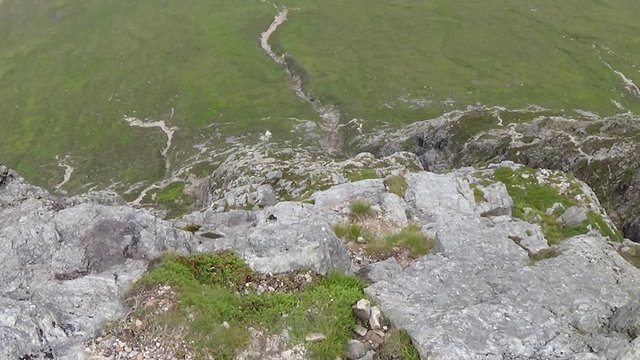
(131,95)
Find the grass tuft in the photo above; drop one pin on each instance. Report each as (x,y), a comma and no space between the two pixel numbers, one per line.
(398,346)
(362,174)
(360,208)
(478,195)
(348,231)
(410,238)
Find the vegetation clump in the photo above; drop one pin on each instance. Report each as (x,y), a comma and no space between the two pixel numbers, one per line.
(362,174)
(360,208)
(398,346)
(171,198)
(383,246)
(348,231)
(396,185)
(478,195)
(215,306)
(410,238)
(532,201)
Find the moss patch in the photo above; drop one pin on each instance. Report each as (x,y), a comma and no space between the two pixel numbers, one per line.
(531,200)
(543,254)
(192,228)
(478,195)
(211,290)
(396,185)
(632,255)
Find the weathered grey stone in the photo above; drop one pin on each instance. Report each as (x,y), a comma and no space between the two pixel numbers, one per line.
(265,196)
(381,271)
(481,298)
(64,267)
(395,208)
(574,216)
(66,264)
(278,248)
(341,196)
(355,350)
(369,355)
(315,337)
(632,352)
(360,330)
(362,309)
(496,200)
(626,319)
(375,318)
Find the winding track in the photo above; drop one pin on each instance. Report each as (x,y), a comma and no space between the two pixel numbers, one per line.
(329,114)
(68,169)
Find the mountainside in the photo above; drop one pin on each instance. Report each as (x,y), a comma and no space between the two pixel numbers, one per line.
(504,279)
(135,96)
(361,180)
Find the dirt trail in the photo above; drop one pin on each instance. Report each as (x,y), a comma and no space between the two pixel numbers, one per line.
(68,169)
(159,124)
(168,131)
(329,114)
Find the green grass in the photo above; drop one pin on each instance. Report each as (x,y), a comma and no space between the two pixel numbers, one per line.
(210,287)
(362,174)
(491,52)
(65,90)
(398,346)
(396,185)
(381,245)
(360,208)
(171,198)
(349,231)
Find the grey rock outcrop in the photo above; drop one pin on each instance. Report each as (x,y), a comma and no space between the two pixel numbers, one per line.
(66,264)
(601,151)
(574,216)
(626,319)
(481,297)
(63,270)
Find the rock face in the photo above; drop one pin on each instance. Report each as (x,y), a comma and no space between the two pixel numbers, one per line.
(65,265)
(481,296)
(64,268)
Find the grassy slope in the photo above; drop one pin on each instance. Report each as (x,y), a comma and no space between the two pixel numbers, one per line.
(70,70)
(362,54)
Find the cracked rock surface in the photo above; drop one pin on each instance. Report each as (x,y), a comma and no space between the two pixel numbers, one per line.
(66,264)
(480,297)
